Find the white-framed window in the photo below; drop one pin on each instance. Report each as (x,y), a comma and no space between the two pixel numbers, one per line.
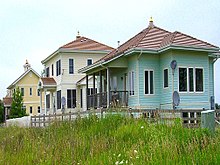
(165,78)
(52,69)
(71,98)
(38,109)
(148,82)
(58,68)
(71,66)
(31,109)
(22,91)
(30,91)
(191,79)
(47,72)
(131,83)
(89,61)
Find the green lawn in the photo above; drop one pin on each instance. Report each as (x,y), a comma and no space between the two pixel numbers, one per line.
(112,140)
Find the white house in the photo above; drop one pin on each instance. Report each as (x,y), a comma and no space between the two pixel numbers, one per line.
(61,78)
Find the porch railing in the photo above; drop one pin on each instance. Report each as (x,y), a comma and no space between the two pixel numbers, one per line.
(117,99)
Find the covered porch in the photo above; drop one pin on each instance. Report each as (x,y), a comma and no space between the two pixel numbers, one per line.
(47,91)
(111,85)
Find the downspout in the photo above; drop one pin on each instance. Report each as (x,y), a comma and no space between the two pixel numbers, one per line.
(138,82)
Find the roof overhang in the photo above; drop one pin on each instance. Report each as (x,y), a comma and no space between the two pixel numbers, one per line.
(69,50)
(24,74)
(150,51)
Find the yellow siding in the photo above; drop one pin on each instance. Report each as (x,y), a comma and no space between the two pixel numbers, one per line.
(30,80)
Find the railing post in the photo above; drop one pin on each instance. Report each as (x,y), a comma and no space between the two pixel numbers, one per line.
(44,121)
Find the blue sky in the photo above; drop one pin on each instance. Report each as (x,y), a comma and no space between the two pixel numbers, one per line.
(33,29)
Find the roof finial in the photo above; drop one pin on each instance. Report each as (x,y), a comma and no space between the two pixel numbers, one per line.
(26,66)
(78,35)
(151,22)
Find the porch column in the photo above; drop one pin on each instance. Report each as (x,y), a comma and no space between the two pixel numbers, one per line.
(100,89)
(45,102)
(93,90)
(108,87)
(41,105)
(51,102)
(87,87)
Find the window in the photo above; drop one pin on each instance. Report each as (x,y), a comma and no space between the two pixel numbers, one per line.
(47,72)
(199,80)
(190,79)
(90,91)
(48,101)
(38,92)
(30,91)
(58,67)
(22,91)
(89,62)
(182,79)
(165,78)
(31,109)
(81,98)
(149,82)
(59,99)
(52,69)
(71,66)
(131,83)
(38,109)
(71,98)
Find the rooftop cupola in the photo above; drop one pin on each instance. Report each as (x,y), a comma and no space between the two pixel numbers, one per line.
(78,35)
(151,23)
(26,66)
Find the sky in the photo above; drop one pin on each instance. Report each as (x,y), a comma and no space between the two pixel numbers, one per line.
(33,29)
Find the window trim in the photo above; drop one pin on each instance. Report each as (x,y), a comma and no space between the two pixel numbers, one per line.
(72,66)
(149,94)
(167,78)
(89,59)
(31,109)
(31,91)
(22,93)
(194,80)
(129,83)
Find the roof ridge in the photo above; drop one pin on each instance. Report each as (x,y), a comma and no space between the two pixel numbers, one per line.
(196,39)
(82,37)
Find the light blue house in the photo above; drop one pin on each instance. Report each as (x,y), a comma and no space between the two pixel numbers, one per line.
(138,73)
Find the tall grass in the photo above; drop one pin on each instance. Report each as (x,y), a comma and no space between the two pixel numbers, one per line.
(111,140)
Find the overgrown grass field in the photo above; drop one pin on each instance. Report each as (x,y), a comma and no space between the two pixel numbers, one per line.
(111,140)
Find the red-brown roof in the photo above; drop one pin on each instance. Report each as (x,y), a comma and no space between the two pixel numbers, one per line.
(155,38)
(7,101)
(48,81)
(83,43)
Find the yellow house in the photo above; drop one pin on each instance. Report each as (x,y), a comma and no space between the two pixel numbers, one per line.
(28,84)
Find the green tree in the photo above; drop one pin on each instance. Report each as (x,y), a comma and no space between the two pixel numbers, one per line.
(217,106)
(17,105)
(1,112)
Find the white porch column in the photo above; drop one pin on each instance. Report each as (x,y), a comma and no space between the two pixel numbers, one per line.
(41,105)
(108,88)
(51,102)
(45,102)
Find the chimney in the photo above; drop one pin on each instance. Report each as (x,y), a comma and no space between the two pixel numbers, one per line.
(151,23)
(78,35)
(118,43)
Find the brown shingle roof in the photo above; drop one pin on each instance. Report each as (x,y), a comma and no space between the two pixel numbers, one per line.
(48,81)
(7,101)
(155,38)
(83,43)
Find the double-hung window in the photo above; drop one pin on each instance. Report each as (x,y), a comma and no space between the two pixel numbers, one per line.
(190,79)
(165,78)
(59,99)
(148,82)
(71,66)
(71,98)
(58,67)
(47,72)
(131,83)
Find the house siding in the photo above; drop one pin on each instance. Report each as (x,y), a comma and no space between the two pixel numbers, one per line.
(193,59)
(149,62)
